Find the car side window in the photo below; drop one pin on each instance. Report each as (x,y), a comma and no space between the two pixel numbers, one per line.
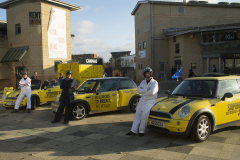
(108,85)
(228,86)
(126,84)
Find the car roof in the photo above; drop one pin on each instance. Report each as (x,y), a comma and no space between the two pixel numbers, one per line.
(214,78)
(109,78)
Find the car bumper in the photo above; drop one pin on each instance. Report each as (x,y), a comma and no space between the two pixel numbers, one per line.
(55,106)
(10,103)
(171,126)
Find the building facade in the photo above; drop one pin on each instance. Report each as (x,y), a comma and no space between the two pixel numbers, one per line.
(156,48)
(38,37)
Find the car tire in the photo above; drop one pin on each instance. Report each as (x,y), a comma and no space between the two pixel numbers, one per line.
(133,104)
(201,129)
(33,103)
(79,111)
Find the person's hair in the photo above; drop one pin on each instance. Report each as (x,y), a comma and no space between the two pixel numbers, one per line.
(35,72)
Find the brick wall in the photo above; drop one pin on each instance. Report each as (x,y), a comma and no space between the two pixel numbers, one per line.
(166,16)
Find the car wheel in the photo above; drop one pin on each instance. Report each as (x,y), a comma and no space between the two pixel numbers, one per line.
(134,103)
(33,103)
(79,111)
(201,129)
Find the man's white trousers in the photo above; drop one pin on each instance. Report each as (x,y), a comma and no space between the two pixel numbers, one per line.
(27,92)
(141,116)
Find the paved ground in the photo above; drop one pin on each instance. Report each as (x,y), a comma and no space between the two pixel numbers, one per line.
(102,136)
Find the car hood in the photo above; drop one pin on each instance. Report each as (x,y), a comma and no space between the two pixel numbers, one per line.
(13,94)
(173,105)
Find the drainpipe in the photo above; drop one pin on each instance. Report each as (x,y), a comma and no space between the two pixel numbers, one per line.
(152,36)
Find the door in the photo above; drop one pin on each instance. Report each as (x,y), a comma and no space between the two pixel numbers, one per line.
(178,65)
(50,93)
(18,74)
(228,110)
(107,96)
(161,75)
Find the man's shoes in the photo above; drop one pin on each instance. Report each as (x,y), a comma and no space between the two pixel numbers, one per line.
(130,133)
(65,122)
(15,111)
(54,121)
(141,134)
(29,110)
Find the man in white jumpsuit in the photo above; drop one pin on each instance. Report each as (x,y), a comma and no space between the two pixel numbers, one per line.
(25,84)
(148,88)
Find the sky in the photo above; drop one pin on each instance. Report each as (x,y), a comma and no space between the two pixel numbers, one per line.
(103,26)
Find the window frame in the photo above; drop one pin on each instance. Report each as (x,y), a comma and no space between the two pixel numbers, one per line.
(139,46)
(177,48)
(134,84)
(16,29)
(144,45)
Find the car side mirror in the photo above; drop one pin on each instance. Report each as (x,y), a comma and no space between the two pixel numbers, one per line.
(166,92)
(97,92)
(227,95)
(45,88)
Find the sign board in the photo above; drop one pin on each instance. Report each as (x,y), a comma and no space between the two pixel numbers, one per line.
(92,61)
(34,19)
(57,40)
(142,54)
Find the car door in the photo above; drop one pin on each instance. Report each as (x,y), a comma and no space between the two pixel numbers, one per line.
(107,95)
(47,95)
(228,110)
(127,89)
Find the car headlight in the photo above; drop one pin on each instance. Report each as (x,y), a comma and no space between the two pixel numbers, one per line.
(4,96)
(55,98)
(184,111)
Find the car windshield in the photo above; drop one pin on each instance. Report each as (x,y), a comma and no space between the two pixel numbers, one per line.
(87,86)
(196,88)
(35,84)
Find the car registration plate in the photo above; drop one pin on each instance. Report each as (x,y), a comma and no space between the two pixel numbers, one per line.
(157,124)
(10,104)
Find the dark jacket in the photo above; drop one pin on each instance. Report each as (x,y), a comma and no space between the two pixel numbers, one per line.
(67,87)
(192,74)
(34,77)
(60,79)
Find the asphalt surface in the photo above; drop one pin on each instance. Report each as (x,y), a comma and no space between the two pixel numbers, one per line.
(102,136)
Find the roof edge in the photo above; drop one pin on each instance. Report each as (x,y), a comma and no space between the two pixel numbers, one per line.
(72,7)
(137,6)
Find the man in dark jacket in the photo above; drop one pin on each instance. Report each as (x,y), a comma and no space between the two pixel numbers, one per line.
(191,73)
(34,76)
(66,99)
(60,77)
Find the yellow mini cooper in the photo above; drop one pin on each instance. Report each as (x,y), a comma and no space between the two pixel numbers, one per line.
(101,95)
(40,93)
(197,107)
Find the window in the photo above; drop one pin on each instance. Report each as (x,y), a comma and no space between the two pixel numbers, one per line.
(127,84)
(196,88)
(144,45)
(18,28)
(146,25)
(138,31)
(227,86)
(180,10)
(139,66)
(137,14)
(139,46)
(131,61)
(174,39)
(177,49)
(109,85)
